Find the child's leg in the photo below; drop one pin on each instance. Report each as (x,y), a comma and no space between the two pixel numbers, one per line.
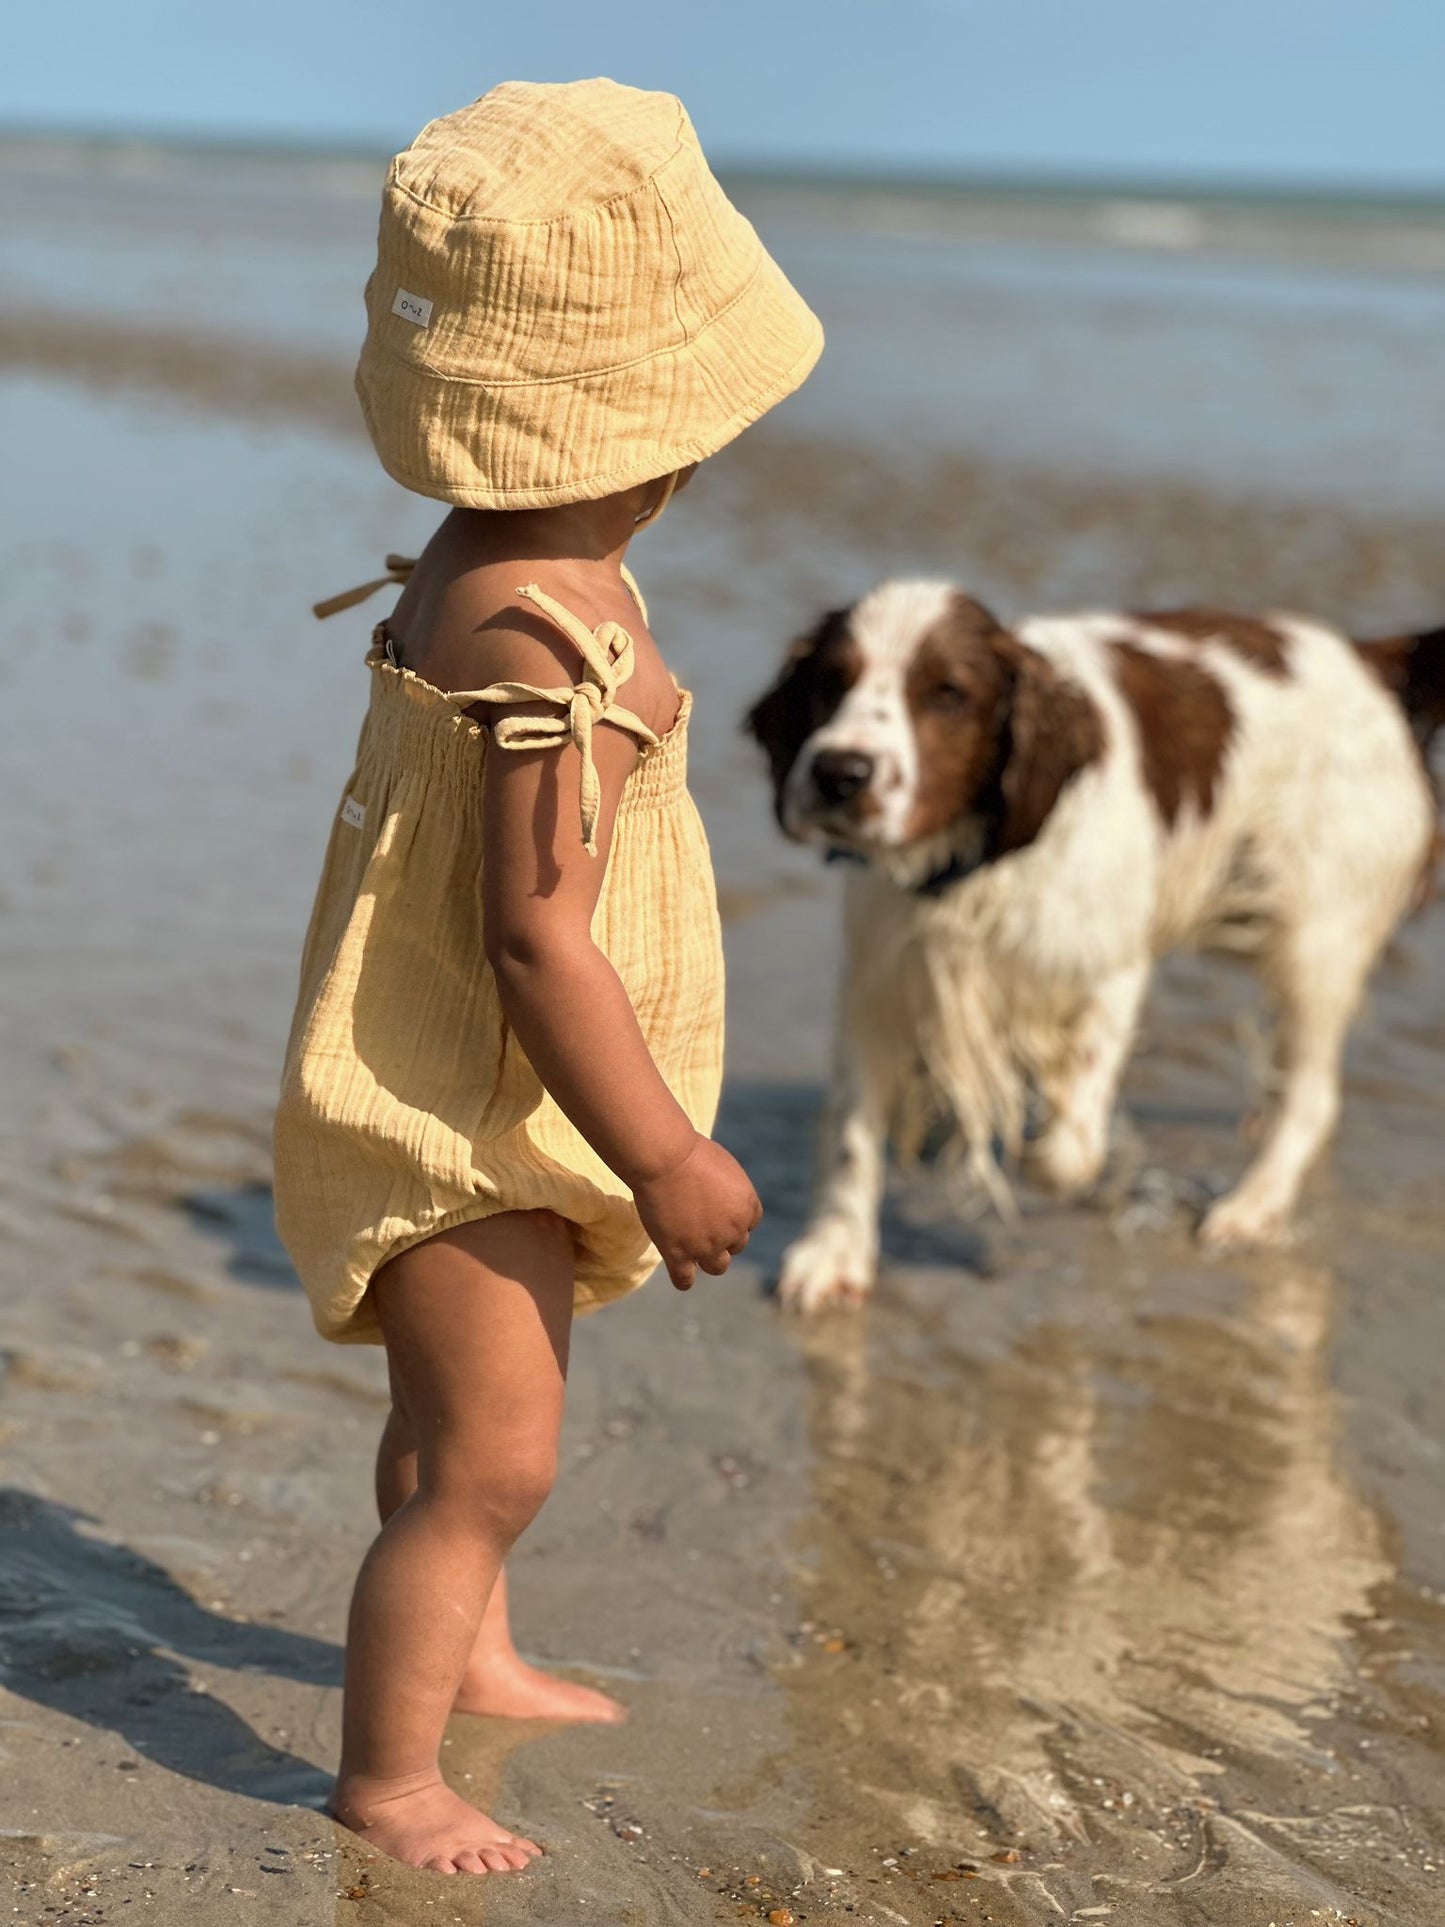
(476,1323)
(497,1680)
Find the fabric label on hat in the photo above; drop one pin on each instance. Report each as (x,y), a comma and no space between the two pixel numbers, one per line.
(414,308)
(353,813)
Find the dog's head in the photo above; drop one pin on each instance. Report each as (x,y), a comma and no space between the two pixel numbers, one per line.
(914,727)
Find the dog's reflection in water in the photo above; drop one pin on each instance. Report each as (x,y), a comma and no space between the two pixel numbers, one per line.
(1085,1576)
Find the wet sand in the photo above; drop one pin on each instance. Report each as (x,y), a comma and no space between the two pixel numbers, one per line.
(1080,1579)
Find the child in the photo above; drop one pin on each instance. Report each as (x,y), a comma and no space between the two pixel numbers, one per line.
(507,1048)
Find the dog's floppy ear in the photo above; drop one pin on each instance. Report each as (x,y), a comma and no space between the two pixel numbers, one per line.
(810,685)
(1052,731)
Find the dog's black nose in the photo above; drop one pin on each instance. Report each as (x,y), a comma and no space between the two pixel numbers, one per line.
(839,774)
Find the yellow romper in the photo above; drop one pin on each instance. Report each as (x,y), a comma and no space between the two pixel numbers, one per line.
(407,1105)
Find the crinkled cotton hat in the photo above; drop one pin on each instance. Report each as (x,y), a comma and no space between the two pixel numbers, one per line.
(566,303)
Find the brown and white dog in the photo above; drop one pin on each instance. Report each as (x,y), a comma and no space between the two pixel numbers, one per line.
(1042,812)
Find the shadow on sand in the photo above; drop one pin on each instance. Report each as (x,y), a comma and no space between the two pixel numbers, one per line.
(101,1634)
(242,1217)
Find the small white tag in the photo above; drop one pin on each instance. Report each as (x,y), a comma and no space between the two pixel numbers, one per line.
(414,308)
(353,813)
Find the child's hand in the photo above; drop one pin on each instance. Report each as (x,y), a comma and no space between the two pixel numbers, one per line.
(699,1213)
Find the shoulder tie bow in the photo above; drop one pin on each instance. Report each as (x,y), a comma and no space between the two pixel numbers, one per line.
(609,658)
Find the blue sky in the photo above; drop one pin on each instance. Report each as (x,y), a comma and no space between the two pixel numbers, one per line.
(1276,90)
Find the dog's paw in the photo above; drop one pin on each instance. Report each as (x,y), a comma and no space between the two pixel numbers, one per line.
(827,1267)
(1239,1222)
(1066,1160)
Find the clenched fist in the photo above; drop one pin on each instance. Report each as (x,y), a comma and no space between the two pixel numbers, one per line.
(700,1213)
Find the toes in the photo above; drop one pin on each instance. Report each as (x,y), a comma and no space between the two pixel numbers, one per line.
(508,1854)
(520,1852)
(500,1859)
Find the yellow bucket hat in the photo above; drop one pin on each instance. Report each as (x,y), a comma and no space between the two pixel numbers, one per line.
(565,302)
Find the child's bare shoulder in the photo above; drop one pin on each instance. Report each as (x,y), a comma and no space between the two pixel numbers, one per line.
(477,629)
(468,633)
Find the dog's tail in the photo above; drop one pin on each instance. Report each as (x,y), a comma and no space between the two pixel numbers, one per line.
(1412,668)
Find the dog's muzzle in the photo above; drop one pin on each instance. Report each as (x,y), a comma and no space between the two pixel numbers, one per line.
(840,776)
(832,795)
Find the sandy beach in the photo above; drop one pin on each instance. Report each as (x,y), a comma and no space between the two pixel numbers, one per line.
(1080,1578)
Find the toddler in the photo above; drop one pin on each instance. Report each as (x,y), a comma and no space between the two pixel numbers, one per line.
(507,1047)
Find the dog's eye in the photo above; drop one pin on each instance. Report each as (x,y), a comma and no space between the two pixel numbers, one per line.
(949,696)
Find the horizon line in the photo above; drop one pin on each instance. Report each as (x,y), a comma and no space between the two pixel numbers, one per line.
(1062,179)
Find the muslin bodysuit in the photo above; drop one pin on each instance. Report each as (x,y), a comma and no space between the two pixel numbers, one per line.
(407,1104)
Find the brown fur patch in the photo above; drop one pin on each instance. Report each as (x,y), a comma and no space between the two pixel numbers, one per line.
(821,667)
(1256,642)
(1412,668)
(1185,725)
(1055,732)
(999,731)
(956,690)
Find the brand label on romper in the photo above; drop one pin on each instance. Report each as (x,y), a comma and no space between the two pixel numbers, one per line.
(353,813)
(414,308)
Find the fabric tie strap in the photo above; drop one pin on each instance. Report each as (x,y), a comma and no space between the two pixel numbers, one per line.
(398,571)
(609,656)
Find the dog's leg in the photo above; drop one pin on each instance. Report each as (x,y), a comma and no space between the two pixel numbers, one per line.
(1070,1153)
(1320,975)
(836,1258)
(835,1261)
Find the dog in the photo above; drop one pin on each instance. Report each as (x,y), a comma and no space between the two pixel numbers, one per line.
(1034,816)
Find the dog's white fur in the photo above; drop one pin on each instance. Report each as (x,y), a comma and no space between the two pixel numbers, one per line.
(1031,971)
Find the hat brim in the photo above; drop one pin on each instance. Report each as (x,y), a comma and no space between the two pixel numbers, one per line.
(575,438)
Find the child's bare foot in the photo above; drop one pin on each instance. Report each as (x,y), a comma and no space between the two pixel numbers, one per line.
(422,1822)
(506,1687)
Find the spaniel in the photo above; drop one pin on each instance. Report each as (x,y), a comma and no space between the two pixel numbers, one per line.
(1035,815)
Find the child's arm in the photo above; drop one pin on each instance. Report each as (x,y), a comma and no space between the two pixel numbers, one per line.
(572,1015)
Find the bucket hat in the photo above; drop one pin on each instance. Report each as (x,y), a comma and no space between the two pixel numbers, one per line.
(565,302)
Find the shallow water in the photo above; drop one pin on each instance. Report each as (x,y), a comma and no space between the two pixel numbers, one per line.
(1077,1580)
